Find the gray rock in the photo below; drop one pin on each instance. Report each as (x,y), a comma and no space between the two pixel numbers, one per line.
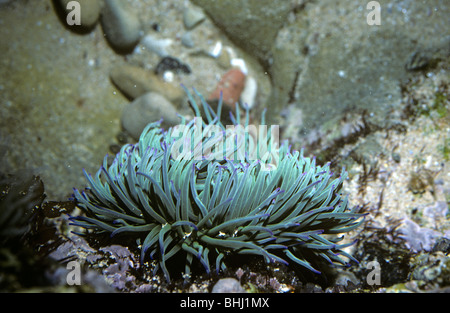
(193,16)
(135,81)
(148,108)
(228,285)
(157,45)
(335,74)
(121,27)
(253,25)
(90,11)
(418,238)
(330,64)
(186,40)
(437,210)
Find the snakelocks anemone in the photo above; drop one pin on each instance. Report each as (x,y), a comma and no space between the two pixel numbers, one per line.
(200,192)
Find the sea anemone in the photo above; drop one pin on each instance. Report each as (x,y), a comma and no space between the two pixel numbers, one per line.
(204,208)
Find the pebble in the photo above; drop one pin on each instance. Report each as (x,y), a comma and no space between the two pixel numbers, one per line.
(172,64)
(418,238)
(157,45)
(148,108)
(248,95)
(187,41)
(193,16)
(122,28)
(135,81)
(228,285)
(90,11)
(437,210)
(231,85)
(224,58)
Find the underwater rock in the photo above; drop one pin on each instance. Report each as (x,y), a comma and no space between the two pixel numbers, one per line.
(193,16)
(252,25)
(432,268)
(437,210)
(418,60)
(157,45)
(134,81)
(121,27)
(228,285)
(118,272)
(248,95)
(231,85)
(90,11)
(20,195)
(418,238)
(148,108)
(172,64)
(326,71)
(421,181)
(356,68)
(187,41)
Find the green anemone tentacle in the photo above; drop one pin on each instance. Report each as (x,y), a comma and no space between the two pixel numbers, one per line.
(209,207)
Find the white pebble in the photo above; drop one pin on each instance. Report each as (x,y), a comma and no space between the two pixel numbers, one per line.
(240,63)
(193,16)
(216,50)
(248,95)
(168,76)
(157,45)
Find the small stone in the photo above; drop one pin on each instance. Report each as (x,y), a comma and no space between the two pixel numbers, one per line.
(122,138)
(231,85)
(172,64)
(437,210)
(442,244)
(248,95)
(417,61)
(193,16)
(224,58)
(417,238)
(421,180)
(135,81)
(148,108)
(396,157)
(187,41)
(157,45)
(228,285)
(121,27)
(90,11)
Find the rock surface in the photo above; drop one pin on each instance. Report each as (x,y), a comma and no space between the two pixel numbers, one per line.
(121,27)
(230,87)
(90,11)
(325,59)
(60,114)
(134,81)
(148,108)
(193,16)
(253,25)
(228,285)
